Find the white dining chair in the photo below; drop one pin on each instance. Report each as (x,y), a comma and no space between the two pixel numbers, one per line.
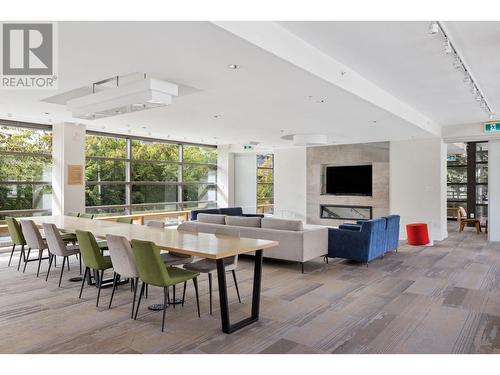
(124,264)
(209,266)
(57,247)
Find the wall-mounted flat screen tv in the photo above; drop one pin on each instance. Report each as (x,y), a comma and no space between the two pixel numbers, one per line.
(349,180)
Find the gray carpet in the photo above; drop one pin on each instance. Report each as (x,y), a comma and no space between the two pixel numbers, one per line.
(441,299)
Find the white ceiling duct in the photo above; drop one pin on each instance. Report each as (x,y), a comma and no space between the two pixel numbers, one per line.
(136,96)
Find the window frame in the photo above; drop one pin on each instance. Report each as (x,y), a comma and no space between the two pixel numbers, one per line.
(129,182)
(41,155)
(261,208)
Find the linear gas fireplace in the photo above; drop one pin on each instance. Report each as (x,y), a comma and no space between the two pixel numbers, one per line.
(337,212)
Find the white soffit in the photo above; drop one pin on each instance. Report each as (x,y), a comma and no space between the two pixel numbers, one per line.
(277,40)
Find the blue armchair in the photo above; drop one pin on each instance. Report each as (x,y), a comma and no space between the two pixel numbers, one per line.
(392,232)
(363,245)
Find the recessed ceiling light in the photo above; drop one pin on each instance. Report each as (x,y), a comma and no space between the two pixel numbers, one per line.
(47,113)
(233,66)
(374,121)
(321,101)
(144,127)
(217,116)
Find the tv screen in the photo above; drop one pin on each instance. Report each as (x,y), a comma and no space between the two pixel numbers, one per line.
(349,180)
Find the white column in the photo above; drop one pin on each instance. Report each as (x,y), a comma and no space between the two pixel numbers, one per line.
(494,190)
(418,184)
(245,182)
(290,176)
(225,176)
(68,148)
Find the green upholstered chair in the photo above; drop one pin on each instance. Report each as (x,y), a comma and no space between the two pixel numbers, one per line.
(86,216)
(125,220)
(17,237)
(152,271)
(92,259)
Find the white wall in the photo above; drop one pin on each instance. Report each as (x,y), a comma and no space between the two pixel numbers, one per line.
(68,148)
(225,176)
(245,182)
(494,191)
(418,184)
(290,176)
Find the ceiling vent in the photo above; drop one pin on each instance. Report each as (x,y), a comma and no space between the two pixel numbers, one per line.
(135,96)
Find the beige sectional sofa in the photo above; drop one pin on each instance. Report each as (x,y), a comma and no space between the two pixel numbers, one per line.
(297,242)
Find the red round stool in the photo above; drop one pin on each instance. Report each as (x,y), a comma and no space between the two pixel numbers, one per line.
(417,234)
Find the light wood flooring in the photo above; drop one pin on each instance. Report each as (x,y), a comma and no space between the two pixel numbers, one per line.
(441,299)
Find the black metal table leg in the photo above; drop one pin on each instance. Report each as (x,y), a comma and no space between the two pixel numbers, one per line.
(227,327)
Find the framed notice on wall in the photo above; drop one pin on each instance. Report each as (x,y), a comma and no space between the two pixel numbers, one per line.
(75,174)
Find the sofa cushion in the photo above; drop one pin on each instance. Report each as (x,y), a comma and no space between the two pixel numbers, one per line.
(243,221)
(212,218)
(195,213)
(281,224)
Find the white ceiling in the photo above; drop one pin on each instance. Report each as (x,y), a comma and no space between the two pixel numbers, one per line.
(268,97)
(404,59)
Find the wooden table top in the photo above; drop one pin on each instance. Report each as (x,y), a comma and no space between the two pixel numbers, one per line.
(204,245)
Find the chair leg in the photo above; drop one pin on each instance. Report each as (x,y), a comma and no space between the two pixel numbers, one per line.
(27,259)
(302,266)
(164,307)
(147,289)
(210,291)
(236,285)
(21,256)
(62,270)
(87,272)
(11,254)
(100,285)
(115,278)
(174,296)
(67,263)
(136,286)
(80,260)
(139,301)
(184,293)
(51,258)
(40,254)
(195,283)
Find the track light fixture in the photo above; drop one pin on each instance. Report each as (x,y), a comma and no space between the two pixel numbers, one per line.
(436,28)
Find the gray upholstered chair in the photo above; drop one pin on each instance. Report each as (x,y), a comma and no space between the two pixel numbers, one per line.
(57,247)
(156,224)
(34,241)
(124,265)
(170,258)
(209,266)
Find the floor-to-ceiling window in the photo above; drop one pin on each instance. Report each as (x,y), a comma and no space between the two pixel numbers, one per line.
(468,180)
(25,169)
(131,174)
(265,183)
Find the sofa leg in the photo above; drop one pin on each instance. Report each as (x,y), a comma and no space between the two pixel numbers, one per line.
(366,264)
(326,258)
(302,264)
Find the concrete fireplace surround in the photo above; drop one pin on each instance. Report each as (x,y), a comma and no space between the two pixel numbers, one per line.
(376,154)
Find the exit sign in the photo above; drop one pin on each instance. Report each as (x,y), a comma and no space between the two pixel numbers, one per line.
(491,127)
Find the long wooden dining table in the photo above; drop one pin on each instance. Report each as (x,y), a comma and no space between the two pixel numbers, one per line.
(204,245)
